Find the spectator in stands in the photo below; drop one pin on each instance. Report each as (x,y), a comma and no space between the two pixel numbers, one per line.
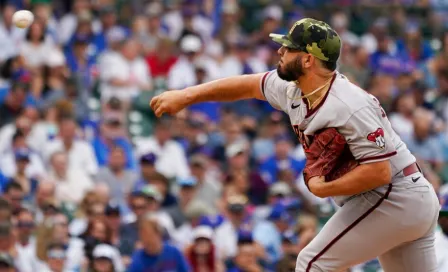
(147,199)
(53,79)
(86,27)
(127,74)
(13,69)
(94,212)
(209,188)
(161,59)
(5,210)
(14,101)
(29,184)
(97,232)
(23,124)
(113,220)
(80,64)
(9,34)
(162,184)
(7,241)
(69,21)
(281,160)
(272,17)
(195,213)
(26,242)
(358,69)
(14,195)
(290,252)
(45,194)
(114,37)
(71,184)
(402,116)
(80,153)
(232,131)
(147,167)
(108,21)
(155,206)
(112,134)
(138,203)
(269,233)
(55,231)
(116,176)
(106,259)
(201,254)
(240,61)
(441,101)
(194,138)
(413,45)
(422,142)
(187,193)
(36,48)
(20,158)
(227,232)
(278,191)
(171,160)
(245,258)
(241,176)
(155,32)
(155,254)
(57,259)
(191,47)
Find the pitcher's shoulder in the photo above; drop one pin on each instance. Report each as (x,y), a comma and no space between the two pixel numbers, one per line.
(350,96)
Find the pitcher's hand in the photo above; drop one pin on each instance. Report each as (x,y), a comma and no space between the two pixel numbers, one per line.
(170,102)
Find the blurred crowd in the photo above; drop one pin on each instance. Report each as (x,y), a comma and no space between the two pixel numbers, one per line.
(90,180)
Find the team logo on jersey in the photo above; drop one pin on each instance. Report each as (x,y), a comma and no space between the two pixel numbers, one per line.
(378,138)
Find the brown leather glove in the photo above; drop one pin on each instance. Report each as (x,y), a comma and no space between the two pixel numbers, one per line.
(329,156)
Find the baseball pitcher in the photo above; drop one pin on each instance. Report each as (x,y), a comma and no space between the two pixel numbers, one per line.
(388,209)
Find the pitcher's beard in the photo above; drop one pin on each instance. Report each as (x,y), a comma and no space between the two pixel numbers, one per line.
(291,71)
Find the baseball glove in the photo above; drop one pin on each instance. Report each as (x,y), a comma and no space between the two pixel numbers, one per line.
(329,156)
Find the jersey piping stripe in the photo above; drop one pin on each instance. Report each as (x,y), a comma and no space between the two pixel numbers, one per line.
(378,157)
(262,83)
(346,230)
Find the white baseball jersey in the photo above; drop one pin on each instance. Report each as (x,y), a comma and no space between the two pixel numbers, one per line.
(357,115)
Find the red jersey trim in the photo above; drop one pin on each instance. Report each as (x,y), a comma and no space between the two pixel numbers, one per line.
(378,157)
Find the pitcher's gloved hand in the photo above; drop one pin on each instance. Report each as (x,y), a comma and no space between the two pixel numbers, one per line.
(328,156)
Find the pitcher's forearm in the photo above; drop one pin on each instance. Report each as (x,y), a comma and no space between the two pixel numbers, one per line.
(226,89)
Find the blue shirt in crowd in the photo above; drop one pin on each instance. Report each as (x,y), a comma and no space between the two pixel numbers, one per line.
(169,260)
(270,238)
(270,168)
(102,151)
(30,101)
(429,149)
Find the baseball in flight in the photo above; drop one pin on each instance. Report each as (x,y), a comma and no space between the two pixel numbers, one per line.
(23,18)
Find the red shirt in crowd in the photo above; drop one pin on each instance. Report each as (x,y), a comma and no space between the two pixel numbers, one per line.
(158,66)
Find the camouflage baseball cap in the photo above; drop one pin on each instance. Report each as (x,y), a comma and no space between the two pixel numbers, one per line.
(312,36)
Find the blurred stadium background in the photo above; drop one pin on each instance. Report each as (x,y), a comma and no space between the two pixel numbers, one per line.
(92,181)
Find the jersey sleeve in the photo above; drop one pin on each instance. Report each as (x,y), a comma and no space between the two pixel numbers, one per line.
(367,136)
(274,90)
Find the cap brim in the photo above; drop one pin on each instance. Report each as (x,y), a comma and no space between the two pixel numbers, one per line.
(283,40)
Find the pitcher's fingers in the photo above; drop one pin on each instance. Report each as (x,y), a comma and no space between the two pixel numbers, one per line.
(159,112)
(154,101)
(158,104)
